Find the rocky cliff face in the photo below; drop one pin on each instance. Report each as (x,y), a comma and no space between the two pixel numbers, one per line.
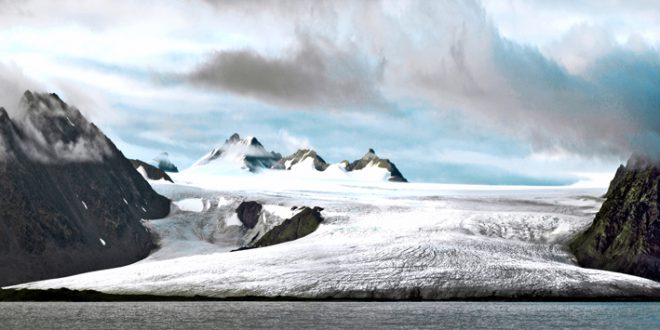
(371,159)
(302,154)
(70,202)
(625,235)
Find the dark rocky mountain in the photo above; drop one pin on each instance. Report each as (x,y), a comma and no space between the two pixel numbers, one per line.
(371,159)
(249,152)
(149,171)
(287,162)
(163,163)
(248,213)
(300,225)
(70,201)
(625,235)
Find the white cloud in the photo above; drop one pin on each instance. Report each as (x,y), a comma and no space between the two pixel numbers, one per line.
(293,143)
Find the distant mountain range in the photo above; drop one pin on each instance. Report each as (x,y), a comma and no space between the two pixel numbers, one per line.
(250,154)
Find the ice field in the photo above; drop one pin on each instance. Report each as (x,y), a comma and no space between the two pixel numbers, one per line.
(379,240)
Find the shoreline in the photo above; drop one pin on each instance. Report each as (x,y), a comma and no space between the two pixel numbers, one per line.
(67,295)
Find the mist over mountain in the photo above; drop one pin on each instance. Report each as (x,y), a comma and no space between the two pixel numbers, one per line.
(625,234)
(71,202)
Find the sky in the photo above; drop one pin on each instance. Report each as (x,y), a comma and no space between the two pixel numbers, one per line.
(493,92)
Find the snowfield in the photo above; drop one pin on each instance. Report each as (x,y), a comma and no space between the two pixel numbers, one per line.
(379,240)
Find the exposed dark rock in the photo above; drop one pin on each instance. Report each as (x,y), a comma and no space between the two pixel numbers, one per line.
(625,235)
(371,159)
(302,224)
(71,202)
(618,177)
(299,156)
(248,213)
(163,163)
(152,172)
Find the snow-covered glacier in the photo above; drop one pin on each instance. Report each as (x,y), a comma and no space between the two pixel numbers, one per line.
(379,240)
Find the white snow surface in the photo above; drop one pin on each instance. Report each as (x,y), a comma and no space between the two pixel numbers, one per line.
(378,240)
(191,204)
(143,172)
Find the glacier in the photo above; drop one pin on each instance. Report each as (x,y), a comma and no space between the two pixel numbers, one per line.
(379,240)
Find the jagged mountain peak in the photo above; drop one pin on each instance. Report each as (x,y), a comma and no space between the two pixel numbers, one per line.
(49,130)
(234,138)
(248,152)
(71,202)
(370,159)
(249,140)
(301,155)
(371,154)
(251,155)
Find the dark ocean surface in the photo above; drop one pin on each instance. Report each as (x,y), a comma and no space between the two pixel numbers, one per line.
(329,315)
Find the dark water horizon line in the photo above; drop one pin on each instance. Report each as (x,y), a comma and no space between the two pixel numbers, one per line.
(69,295)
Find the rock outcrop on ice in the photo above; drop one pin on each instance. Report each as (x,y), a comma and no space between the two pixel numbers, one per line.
(71,202)
(248,213)
(248,152)
(625,235)
(149,171)
(370,159)
(300,225)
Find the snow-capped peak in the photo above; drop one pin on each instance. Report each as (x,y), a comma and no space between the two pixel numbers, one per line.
(248,152)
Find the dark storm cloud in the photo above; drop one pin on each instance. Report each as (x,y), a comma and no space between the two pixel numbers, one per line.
(316,74)
(612,109)
(450,54)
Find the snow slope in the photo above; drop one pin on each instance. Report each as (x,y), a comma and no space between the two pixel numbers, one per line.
(379,240)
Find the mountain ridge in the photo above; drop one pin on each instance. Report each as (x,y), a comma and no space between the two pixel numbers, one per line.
(71,202)
(625,234)
(252,155)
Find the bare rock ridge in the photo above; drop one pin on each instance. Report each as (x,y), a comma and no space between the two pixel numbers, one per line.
(625,234)
(368,160)
(300,225)
(371,159)
(149,171)
(300,155)
(71,202)
(303,223)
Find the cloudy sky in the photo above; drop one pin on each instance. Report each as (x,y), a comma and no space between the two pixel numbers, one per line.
(499,92)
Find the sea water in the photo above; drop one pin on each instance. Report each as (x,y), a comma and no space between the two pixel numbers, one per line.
(329,315)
